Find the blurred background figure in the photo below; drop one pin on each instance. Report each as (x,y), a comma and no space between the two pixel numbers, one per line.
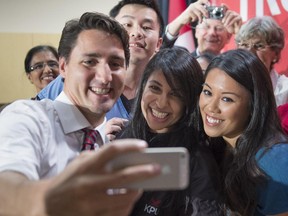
(212,33)
(265,38)
(41,65)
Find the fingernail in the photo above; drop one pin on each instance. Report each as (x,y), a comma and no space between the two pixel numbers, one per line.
(156,168)
(142,144)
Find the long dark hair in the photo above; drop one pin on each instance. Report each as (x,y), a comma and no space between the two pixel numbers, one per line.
(182,72)
(242,174)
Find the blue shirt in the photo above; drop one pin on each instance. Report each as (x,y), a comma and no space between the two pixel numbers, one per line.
(273,195)
(118,110)
(52,90)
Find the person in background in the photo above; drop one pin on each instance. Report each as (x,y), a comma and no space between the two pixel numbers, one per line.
(204,59)
(212,34)
(41,65)
(239,115)
(41,169)
(265,38)
(166,115)
(144,23)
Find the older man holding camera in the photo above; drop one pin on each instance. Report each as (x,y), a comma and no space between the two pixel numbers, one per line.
(216,24)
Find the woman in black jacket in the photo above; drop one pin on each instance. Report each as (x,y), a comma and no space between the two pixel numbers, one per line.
(166,115)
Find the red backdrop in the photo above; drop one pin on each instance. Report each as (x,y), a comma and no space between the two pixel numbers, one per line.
(278,9)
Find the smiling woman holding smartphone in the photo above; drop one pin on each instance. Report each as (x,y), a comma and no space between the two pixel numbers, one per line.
(166,115)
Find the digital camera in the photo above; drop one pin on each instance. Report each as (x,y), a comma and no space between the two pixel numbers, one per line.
(215,12)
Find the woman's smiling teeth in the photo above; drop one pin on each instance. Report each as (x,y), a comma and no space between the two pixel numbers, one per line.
(160,115)
(101,91)
(213,120)
(48,77)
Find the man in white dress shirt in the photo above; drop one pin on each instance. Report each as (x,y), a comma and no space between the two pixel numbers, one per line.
(41,169)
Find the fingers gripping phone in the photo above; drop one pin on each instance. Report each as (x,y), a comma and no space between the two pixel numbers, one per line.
(174,163)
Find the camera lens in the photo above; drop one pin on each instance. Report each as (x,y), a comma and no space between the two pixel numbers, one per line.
(218,13)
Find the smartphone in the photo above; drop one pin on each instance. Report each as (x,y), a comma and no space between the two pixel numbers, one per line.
(174,163)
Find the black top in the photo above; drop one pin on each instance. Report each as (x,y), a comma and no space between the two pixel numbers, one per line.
(202,197)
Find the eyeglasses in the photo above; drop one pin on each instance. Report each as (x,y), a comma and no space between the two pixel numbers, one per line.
(259,46)
(53,65)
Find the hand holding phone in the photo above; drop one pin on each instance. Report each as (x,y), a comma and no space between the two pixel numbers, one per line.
(174,163)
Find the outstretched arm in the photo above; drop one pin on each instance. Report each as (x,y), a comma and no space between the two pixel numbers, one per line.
(193,12)
(81,189)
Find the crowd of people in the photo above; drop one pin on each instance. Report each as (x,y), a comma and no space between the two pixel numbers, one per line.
(122,87)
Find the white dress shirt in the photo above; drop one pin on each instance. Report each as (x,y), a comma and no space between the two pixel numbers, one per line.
(39,138)
(280,87)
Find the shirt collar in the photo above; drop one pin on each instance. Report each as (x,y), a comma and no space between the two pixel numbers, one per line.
(274,76)
(197,52)
(71,118)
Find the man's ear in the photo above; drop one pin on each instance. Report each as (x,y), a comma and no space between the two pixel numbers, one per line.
(159,44)
(62,66)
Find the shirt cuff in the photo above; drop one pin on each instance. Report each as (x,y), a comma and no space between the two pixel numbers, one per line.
(169,35)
